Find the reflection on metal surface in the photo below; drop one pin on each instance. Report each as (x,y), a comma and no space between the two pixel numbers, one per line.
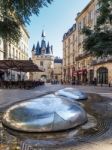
(45,114)
(72,93)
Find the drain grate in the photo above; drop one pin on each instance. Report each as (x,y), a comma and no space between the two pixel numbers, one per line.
(101,131)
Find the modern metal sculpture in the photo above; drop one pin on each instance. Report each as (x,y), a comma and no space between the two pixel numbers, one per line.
(72,94)
(45,114)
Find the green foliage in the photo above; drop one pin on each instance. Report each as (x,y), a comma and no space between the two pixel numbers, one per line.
(24,8)
(105,12)
(17,12)
(86,31)
(99,41)
(10,30)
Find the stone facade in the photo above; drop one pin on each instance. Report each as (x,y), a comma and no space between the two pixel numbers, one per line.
(58,69)
(69,54)
(42,55)
(46,62)
(14,51)
(1,49)
(78,65)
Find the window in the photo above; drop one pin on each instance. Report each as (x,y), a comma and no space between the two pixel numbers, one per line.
(82,24)
(78,65)
(13,52)
(9,51)
(65,44)
(41,63)
(73,37)
(69,42)
(90,16)
(84,21)
(16,54)
(102,75)
(19,55)
(79,26)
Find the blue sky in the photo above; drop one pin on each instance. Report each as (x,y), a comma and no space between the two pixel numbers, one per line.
(56,19)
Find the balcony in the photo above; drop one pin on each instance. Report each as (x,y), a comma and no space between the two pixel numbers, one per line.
(82,56)
(101,60)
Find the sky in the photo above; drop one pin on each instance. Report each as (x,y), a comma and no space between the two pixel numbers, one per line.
(55,20)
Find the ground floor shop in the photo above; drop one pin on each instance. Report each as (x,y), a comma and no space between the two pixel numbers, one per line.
(103,73)
(10,75)
(97,74)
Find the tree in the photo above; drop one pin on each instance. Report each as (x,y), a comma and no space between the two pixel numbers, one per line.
(14,13)
(99,40)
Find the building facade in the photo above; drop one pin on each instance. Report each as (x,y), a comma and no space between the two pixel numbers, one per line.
(14,51)
(78,65)
(58,69)
(42,55)
(69,47)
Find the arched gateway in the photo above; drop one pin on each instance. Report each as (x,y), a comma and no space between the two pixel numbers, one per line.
(102,75)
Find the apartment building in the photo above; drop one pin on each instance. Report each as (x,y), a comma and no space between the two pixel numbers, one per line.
(69,54)
(78,65)
(87,17)
(14,51)
(57,69)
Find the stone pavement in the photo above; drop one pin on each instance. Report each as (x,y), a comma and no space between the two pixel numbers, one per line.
(105,144)
(104,91)
(10,96)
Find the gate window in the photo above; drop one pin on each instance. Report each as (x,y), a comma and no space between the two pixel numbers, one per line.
(102,75)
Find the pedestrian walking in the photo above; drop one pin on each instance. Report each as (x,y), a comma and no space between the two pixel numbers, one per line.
(95,81)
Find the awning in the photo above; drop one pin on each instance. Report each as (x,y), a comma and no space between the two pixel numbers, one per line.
(20,65)
(79,72)
(74,73)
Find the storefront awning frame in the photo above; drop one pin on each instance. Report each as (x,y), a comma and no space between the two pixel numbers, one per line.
(20,65)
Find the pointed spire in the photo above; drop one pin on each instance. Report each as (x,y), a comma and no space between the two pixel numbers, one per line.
(37,48)
(43,44)
(33,48)
(48,45)
(37,45)
(43,34)
(51,49)
(48,49)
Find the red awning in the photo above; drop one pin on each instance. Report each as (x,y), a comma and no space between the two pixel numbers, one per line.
(79,71)
(75,73)
(83,71)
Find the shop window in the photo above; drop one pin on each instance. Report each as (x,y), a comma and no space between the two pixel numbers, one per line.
(102,75)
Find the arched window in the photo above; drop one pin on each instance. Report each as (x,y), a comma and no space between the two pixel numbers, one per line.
(102,75)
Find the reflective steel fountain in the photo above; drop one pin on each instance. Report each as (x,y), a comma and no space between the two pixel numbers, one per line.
(41,117)
(72,93)
(45,114)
